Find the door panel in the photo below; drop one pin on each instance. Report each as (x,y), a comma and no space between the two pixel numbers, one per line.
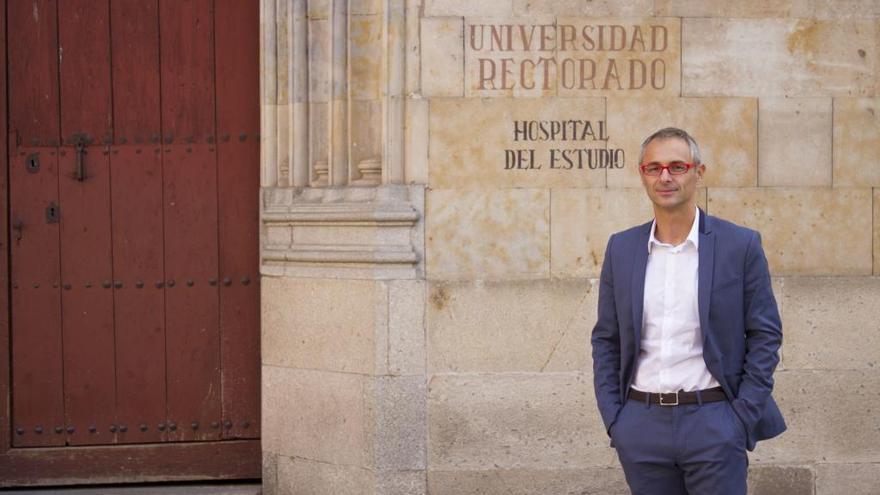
(133,195)
(238,121)
(37,365)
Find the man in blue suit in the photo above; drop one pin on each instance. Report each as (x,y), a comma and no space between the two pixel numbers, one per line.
(687,337)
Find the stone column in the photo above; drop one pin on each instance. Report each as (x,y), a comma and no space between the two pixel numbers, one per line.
(342,248)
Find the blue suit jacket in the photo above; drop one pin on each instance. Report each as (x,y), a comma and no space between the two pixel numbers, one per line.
(739,320)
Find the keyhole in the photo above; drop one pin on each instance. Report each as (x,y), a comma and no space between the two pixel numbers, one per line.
(52,213)
(32,162)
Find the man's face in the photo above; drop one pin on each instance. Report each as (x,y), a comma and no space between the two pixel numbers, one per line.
(667,191)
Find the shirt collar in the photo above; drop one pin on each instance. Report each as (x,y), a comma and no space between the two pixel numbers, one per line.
(693,236)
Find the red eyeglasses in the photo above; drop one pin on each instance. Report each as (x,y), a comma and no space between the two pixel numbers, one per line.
(674,168)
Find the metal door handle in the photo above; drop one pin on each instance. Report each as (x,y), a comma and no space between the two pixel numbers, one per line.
(80,160)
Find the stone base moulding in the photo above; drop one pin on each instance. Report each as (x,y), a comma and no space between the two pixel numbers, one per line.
(374,233)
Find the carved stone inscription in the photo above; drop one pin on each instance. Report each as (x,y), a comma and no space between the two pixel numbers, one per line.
(572,56)
(527,142)
(579,146)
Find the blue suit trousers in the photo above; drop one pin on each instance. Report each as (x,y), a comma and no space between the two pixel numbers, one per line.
(695,449)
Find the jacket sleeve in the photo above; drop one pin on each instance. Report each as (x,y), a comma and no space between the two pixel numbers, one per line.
(763,334)
(606,346)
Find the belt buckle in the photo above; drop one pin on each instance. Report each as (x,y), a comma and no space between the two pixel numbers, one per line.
(663,403)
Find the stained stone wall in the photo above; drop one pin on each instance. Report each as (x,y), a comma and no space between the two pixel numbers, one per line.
(440,180)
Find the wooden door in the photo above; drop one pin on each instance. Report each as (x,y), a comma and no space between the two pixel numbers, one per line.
(133,157)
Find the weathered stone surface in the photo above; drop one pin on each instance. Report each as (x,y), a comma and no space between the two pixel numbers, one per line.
(640,56)
(515,420)
(317,415)
(299,476)
(304,326)
(817,9)
(831,323)
(467,7)
(406,327)
(442,47)
(487,233)
(780,480)
(474,142)
(416,149)
(794,142)
(511,325)
(270,474)
(400,482)
(847,479)
(397,418)
(365,132)
(804,230)
(780,57)
(843,428)
(319,60)
(604,481)
(582,220)
(876,231)
(726,129)
(596,8)
(856,142)
(365,55)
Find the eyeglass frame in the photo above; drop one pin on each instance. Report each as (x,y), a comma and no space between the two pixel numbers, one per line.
(667,169)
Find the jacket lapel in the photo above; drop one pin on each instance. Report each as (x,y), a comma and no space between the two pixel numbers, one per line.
(705,271)
(640,263)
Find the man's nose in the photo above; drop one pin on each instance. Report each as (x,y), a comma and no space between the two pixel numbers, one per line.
(665,176)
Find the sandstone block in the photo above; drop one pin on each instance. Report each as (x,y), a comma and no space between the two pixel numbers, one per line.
(319,59)
(780,480)
(831,323)
(726,130)
(304,324)
(847,479)
(595,8)
(487,233)
(400,482)
(856,142)
(780,57)
(841,429)
(416,149)
(406,327)
(794,142)
(297,475)
(804,230)
(582,220)
(816,9)
(876,231)
(269,484)
(397,421)
(365,56)
(365,7)
(523,481)
(442,56)
(511,325)
(466,8)
(318,415)
(515,420)
(535,142)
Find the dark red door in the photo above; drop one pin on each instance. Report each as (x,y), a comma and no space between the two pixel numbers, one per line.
(133,160)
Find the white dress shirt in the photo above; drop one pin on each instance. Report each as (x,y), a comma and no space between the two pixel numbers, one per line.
(671,356)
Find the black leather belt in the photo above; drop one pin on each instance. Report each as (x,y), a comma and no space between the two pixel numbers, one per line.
(675,398)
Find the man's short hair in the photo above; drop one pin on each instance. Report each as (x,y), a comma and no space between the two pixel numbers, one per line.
(673,132)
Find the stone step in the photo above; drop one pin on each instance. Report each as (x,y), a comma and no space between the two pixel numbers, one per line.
(187,489)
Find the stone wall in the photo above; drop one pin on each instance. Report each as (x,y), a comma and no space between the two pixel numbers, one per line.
(446,349)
